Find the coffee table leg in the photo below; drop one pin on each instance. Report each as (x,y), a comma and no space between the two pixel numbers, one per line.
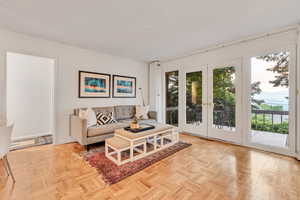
(155,142)
(131,151)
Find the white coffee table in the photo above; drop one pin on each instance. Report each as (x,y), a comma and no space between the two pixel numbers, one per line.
(156,137)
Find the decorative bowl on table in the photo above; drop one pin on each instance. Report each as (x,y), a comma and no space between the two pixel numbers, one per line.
(135,123)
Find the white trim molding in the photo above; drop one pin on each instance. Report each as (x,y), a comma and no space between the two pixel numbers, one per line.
(298,95)
(155,89)
(15,139)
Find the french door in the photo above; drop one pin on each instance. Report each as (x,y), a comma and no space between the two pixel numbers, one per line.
(194,101)
(212,100)
(270,92)
(225,102)
(253,105)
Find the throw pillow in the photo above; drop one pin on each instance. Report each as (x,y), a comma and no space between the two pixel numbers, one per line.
(141,112)
(82,114)
(90,116)
(103,118)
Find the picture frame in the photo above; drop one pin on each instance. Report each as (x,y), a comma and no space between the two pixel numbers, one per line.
(94,85)
(124,86)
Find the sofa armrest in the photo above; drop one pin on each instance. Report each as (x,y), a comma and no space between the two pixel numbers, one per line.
(152,115)
(79,129)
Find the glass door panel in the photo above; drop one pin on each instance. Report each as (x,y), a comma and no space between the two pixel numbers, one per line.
(224,98)
(224,102)
(172,97)
(195,91)
(270,86)
(194,98)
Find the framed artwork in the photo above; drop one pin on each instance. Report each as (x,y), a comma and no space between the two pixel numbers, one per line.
(124,86)
(94,85)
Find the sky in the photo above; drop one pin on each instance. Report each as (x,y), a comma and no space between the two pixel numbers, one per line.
(271,95)
(259,73)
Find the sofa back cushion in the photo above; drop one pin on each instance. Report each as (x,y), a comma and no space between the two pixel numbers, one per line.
(105,110)
(124,112)
(119,112)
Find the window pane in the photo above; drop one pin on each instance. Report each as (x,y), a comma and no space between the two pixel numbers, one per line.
(172,98)
(224,98)
(194,98)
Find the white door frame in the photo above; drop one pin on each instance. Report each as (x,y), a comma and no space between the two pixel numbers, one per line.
(230,136)
(54,86)
(292,104)
(297,93)
(200,130)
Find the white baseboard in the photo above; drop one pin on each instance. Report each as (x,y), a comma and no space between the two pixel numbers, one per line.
(29,136)
(65,140)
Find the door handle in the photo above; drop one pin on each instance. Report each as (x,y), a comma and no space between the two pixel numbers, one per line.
(207,104)
(210,104)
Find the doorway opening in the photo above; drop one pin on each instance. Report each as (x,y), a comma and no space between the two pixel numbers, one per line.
(30,99)
(270,98)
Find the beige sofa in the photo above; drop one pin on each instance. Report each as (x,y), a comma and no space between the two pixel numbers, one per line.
(122,114)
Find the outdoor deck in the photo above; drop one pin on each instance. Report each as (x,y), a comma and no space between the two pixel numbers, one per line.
(270,120)
(269,138)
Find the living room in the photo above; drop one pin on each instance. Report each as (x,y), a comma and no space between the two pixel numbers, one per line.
(150,101)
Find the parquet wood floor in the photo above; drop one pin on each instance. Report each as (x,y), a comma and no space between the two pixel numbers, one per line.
(207,170)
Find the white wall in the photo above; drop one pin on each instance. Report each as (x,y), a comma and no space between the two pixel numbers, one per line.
(69,60)
(29,94)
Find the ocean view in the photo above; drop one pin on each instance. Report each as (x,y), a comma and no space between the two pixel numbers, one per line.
(275,98)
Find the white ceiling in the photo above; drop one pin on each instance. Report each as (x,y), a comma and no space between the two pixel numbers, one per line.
(146,29)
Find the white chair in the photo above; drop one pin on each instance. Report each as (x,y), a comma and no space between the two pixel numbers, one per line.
(5,140)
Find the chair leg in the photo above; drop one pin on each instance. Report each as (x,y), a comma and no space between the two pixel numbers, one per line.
(9,168)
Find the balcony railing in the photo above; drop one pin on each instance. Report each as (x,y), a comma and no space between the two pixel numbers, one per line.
(172,116)
(262,120)
(270,121)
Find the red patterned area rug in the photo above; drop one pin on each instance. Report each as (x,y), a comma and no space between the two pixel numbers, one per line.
(113,173)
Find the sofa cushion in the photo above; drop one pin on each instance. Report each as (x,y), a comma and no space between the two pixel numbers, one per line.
(124,112)
(142,112)
(126,121)
(104,129)
(105,110)
(96,110)
(145,121)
